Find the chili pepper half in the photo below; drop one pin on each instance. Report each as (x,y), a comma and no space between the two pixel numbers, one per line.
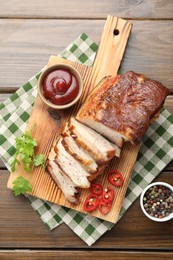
(108,195)
(104,207)
(115,178)
(91,203)
(96,189)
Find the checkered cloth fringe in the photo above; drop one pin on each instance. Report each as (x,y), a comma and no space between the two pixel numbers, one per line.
(155,153)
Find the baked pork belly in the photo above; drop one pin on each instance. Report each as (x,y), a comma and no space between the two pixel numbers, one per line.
(66,185)
(63,181)
(82,156)
(116,148)
(100,148)
(94,102)
(71,167)
(122,107)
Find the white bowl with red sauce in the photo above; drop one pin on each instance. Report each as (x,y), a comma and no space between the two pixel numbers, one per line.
(60,86)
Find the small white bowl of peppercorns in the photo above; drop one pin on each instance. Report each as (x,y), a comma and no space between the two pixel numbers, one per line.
(156,201)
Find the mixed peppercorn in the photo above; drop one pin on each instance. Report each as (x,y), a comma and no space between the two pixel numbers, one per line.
(158,201)
(102,198)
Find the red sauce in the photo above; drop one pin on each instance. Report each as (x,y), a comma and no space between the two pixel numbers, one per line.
(60,87)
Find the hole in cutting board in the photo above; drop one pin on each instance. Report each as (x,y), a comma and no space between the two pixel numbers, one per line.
(116,32)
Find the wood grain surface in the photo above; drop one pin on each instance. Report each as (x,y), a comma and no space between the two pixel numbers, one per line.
(31,31)
(88,9)
(20,227)
(85,255)
(26,45)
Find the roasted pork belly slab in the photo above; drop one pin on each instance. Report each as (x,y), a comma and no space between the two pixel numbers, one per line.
(100,148)
(89,112)
(122,107)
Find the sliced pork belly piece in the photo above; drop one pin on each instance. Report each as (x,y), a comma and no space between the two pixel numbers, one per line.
(100,148)
(71,167)
(100,170)
(63,181)
(78,152)
(117,149)
(108,133)
(122,107)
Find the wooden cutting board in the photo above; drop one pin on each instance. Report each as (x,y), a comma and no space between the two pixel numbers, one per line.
(48,123)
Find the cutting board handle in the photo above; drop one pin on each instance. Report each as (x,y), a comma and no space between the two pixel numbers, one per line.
(111,48)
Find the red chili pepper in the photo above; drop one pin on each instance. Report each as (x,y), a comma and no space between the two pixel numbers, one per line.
(91,203)
(96,189)
(104,207)
(108,195)
(115,178)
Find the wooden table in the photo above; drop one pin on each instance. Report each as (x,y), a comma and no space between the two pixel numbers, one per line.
(29,33)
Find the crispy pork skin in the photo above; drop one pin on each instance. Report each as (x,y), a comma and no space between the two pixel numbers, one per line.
(100,148)
(71,167)
(122,107)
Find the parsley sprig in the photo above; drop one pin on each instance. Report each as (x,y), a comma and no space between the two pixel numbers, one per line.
(25,146)
(21,186)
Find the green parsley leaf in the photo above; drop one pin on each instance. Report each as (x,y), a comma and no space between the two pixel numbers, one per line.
(21,186)
(13,164)
(29,140)
(28,163)
(28,150)
(39,159)
(19,144)
(25,146)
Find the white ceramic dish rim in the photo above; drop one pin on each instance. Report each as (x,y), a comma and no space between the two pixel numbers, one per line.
(170,216)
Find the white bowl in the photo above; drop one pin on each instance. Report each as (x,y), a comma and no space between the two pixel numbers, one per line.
(170,216)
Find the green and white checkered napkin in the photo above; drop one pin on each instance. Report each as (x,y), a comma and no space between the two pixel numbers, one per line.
(155,153)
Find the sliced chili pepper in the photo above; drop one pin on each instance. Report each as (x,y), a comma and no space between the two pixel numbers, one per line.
(115,178)
(104,207)
(108,195)
(96,189)
(91,203)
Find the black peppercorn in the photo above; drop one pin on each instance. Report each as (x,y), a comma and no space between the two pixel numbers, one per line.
(158,201)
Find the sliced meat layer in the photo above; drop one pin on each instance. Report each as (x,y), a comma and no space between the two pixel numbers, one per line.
(78,152)
(123,106)
(117,149)
(71,167)
(63,182)
(100,148)
(100,170)
(110,134)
